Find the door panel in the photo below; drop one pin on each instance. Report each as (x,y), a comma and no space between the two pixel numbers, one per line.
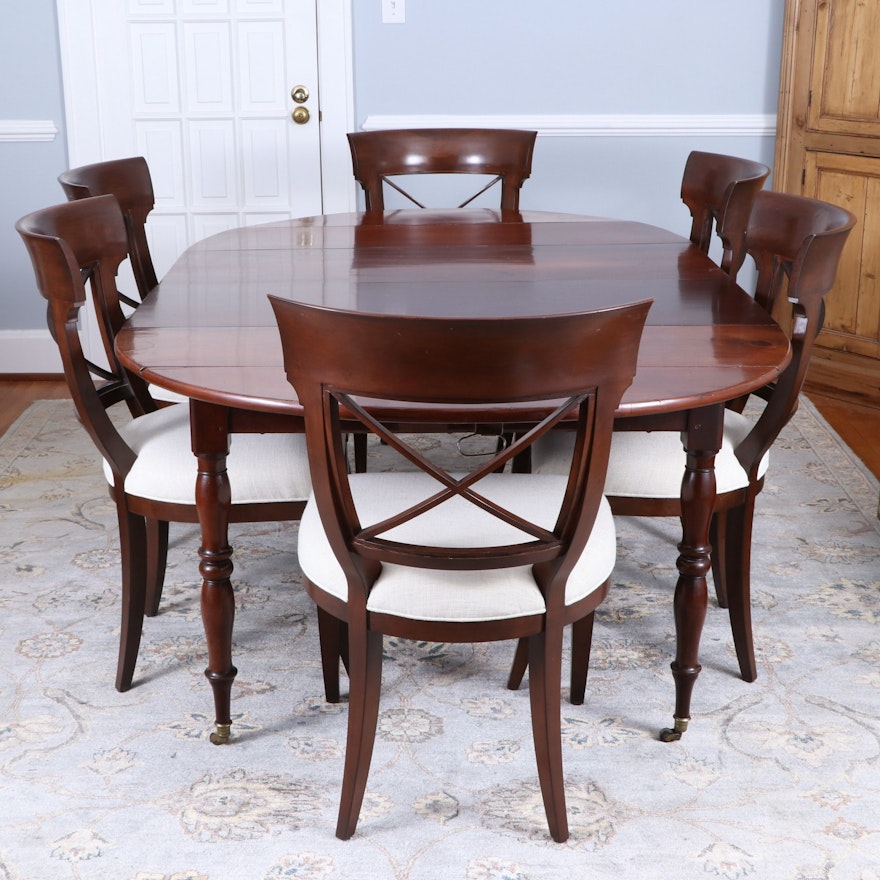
(261,48)
(154,68)
(207,85)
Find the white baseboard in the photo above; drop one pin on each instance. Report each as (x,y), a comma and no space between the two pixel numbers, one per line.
(29,352)
(597,125)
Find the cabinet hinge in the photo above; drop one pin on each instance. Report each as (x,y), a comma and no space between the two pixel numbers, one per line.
(803,177)
(810,98)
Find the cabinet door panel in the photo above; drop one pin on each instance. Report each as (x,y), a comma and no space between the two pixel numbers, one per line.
(846,75)
(828,147)
(852,318)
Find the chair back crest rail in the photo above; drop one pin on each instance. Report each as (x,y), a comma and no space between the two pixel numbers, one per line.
(506,154)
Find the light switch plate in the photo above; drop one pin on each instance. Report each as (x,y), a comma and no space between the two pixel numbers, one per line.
(393,11)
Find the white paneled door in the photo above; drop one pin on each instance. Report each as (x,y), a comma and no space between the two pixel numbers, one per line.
(203,89)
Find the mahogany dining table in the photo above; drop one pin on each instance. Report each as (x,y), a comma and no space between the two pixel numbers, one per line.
(208,332)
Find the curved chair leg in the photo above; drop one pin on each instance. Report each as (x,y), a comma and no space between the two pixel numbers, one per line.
(738,577)
(520,664)
(718,540)
(545,670)
(333,635)
(581,643)
(157,558)
(133,549)
(363,714)
(343,645)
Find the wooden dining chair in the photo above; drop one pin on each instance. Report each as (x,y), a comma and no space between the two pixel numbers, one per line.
(504,154)
(719,191)
(129,180)
(796,244)
(148,460)
(449,557)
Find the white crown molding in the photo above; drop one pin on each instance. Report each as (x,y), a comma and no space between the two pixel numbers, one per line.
(27,130)
(29,352)
(597,125)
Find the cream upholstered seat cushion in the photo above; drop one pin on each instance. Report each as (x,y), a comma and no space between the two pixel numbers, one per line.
(426,594)
(650,464)
(166,396)
(261,467)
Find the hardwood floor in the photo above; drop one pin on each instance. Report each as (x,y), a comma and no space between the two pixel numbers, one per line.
(859,425)
(17,393)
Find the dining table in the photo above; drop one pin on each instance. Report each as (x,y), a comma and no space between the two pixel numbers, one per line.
(207,331)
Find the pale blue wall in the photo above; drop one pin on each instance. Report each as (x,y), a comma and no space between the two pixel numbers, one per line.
(30,89)
(569,56)
(473,57)
(582,57)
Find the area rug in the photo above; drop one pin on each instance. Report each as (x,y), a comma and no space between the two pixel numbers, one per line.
(775,779)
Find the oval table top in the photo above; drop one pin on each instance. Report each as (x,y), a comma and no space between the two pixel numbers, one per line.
(208,330)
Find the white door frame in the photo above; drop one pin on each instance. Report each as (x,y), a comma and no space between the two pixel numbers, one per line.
(336,77)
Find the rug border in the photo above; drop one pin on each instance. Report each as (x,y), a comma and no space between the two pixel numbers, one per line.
(866,495)
(14,440)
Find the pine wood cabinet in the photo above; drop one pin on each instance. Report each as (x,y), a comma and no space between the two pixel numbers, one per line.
(828,147)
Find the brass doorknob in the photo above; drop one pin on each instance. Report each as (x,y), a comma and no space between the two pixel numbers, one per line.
(301,115)
(300,94)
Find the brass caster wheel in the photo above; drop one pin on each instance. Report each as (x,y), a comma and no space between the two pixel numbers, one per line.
(673,734)
(221,735)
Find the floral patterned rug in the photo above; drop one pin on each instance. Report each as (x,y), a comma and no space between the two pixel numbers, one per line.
(775,779)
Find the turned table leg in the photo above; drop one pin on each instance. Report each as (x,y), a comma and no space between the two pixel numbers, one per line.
(210,439)
(702,440)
